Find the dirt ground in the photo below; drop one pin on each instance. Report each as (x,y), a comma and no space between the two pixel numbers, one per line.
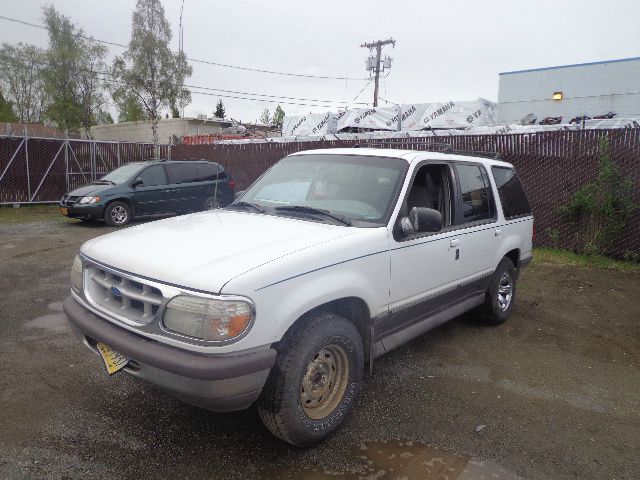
(552,394)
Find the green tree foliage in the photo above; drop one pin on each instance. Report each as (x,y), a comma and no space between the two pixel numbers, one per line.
(175,113)
(21,80)
(219,112)
(149,71)
(104,117)
(601,209)
(6,111)
(129,108)
(278,116)
(265,117)
(71,75)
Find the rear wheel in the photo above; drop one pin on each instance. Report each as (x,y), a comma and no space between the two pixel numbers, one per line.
(117,214)
(314,383)
(500,297)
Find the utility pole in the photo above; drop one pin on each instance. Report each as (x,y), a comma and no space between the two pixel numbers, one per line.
(373,63)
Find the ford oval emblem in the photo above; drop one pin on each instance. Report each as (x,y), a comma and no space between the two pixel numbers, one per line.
(116,292)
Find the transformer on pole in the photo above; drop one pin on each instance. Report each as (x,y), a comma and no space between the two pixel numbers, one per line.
(375,63)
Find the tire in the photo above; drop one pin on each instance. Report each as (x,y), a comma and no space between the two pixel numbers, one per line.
(117,214)
(501,294)
(313,385)
(211,203)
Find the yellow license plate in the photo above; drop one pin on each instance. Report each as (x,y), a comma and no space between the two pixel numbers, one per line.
(64,210)
(113,360)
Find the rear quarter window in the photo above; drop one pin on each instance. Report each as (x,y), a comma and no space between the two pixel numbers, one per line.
(182,172)
(512,196)
(210,172)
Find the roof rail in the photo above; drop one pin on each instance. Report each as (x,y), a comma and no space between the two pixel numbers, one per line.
(408,145)
(445,148)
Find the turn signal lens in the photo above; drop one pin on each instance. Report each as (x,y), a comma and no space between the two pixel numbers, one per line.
(76,273)
(207,319)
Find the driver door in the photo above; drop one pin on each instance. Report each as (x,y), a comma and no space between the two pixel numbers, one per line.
(150,198)
(422,265)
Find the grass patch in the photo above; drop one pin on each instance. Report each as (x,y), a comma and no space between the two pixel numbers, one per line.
(31,213)
(563,257)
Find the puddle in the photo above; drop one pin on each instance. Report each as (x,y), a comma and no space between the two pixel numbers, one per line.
(409,461)
(54,322)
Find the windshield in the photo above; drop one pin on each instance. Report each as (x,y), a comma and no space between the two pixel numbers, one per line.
(355,187)
(122,174)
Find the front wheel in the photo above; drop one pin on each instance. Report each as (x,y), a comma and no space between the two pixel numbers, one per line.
(314,383)
(501,295)
(117,214)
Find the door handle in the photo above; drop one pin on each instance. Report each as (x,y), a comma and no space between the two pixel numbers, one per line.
(498,232)
(454,243)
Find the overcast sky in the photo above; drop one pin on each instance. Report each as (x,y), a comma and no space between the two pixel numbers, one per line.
(446,50)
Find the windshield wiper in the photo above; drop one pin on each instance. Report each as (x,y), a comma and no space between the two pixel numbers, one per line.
(255,206)
(304,209)
(102,182)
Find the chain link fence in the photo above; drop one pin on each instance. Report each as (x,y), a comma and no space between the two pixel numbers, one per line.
(41,170)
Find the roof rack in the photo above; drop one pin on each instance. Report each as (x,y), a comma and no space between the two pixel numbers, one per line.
(445,148)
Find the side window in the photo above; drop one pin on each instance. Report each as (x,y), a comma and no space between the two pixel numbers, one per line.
(477,201)
(153,176)
(208,172)
(432,188)
(182,172)
(512,196)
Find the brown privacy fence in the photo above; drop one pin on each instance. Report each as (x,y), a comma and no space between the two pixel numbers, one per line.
(552,165)
(36,170)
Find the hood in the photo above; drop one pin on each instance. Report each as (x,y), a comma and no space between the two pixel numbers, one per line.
(203,251)
(89,190)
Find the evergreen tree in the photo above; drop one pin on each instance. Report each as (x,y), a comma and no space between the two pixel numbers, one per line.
(219,113)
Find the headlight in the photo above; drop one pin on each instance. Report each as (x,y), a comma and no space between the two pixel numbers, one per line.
(76,273)
(86,200)
(207,319)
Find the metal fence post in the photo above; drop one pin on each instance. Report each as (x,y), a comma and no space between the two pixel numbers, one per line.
(118,153)
(66,158)
(26,158)
(92,159)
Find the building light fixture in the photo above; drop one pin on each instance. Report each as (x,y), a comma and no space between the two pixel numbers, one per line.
(557,96)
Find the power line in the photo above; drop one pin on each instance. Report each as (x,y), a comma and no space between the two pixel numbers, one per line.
(112,78)
(206,62)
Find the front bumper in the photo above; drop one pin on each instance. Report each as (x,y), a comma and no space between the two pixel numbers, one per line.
(88,211)
(218,383)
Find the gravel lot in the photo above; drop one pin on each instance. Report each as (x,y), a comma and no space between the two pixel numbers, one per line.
(552,394)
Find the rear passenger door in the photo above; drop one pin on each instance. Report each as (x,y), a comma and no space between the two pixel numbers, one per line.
(184,187)
(149,198)
(477,233)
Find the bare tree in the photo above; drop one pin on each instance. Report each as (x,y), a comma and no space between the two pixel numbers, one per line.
(149,71)
(21,80)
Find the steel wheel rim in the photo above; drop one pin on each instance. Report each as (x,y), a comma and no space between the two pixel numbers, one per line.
(324,382)
(505,291)
(119,214)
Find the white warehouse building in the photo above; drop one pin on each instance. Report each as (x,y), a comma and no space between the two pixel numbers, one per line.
(570,91)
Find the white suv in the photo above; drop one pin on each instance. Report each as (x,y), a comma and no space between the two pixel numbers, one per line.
(329,260)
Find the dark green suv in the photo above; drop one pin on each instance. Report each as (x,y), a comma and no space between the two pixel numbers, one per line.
(151,188)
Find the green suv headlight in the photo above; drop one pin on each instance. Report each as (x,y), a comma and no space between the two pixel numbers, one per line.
(76,273)
(207,319)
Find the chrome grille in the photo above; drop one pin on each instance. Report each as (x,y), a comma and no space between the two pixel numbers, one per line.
(69,201)
(124,297)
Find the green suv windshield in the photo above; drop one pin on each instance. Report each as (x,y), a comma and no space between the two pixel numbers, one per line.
(122,174)
(353,187)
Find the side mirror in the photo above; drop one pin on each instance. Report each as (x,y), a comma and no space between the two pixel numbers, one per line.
(238,194)
(421,220)
(136,182)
